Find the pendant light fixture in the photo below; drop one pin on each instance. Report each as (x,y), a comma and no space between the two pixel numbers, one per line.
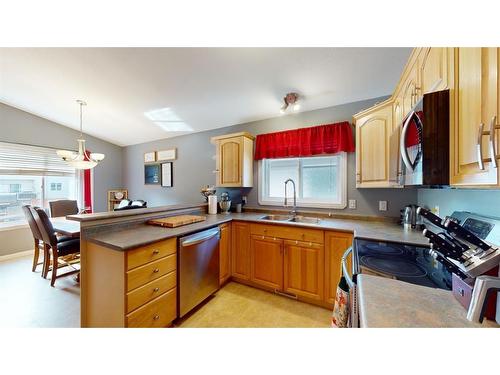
(81,159)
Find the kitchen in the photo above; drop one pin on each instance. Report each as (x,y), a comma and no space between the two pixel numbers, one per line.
(338,187)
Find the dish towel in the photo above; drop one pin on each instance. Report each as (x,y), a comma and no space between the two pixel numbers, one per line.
(340,315)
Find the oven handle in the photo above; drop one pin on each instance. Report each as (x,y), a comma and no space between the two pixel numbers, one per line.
(345,271)
(402,145)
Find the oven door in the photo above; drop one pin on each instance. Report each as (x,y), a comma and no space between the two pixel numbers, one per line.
(350,278)
(411,147)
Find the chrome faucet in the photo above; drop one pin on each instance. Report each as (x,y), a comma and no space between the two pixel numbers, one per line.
(294,209)
(483,287)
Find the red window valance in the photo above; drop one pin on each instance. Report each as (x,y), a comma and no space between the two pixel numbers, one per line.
(323,139)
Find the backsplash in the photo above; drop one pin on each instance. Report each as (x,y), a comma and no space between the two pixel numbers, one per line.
(484,202)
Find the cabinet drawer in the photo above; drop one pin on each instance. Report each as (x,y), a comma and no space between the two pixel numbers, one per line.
(149,253)
(151,271)
(288,232)
(160,312)
(151,290)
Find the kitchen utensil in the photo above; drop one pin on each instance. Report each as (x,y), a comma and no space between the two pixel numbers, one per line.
(207,190)
(434,219)
(225,206)
(177,221)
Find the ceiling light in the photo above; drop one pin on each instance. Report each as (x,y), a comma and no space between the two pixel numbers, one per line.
(81,159)
(290,99)
(168,120)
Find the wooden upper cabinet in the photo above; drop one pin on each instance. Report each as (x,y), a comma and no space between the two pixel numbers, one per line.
(234,160)
(476,102)
(410,89)
(225,253)
(240,250)
(336,243)
(304,269)
(435,67)
(266,261)
(374,129)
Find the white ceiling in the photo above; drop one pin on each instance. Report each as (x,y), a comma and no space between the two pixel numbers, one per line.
(206,88)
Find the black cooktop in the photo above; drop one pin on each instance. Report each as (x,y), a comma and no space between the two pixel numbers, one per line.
(403,262)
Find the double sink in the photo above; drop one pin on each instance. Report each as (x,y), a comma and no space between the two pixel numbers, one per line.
(292,219)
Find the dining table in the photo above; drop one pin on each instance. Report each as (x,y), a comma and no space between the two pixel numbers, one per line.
(66,227)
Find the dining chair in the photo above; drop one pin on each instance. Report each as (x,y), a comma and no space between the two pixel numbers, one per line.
(61,251)
(37,237)
(63,207)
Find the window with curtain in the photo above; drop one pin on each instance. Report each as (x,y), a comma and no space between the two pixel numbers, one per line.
(33,175)
(321,181)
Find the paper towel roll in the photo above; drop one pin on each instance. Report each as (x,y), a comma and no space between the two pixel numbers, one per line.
(212,204)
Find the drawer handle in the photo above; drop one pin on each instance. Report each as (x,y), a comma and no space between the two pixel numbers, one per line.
(156,317)
(156,289)
(156,270)
(156,251)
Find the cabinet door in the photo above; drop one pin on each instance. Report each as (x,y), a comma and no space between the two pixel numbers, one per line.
(225,253)
(266,261)
(476,83)
(410,91)
(229,161)
(434,69)
(240,250)
(336,243)
(372,148)
(304,269)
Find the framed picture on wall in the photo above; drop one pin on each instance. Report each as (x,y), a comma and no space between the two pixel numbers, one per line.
(152,174)
(150,157)
(166,154)
(166,175)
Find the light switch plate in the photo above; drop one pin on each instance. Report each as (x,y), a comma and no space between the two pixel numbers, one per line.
(382,205)
(352,204)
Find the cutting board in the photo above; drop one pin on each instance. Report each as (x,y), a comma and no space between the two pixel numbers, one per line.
(177,221)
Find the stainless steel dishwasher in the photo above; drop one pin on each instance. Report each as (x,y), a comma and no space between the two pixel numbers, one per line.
(199,268)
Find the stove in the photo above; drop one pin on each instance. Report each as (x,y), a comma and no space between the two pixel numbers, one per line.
(412,264)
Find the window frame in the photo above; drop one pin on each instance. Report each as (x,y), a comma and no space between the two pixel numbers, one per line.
(306,203)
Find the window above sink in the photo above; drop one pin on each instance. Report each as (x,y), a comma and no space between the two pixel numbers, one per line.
(321,181)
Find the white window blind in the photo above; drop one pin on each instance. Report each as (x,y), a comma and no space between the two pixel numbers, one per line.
(17,159)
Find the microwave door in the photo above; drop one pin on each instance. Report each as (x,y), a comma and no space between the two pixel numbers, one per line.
(411,149)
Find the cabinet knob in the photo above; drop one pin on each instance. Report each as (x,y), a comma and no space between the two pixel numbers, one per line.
(156,270)
(156,289)
(156,251)
(156,317)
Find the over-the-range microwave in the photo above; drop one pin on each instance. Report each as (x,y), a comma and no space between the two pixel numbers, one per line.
(425,140)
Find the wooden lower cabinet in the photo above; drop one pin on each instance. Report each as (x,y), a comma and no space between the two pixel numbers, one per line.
(304,269)
(266,261)
(225,253)
(336,243)
(240,250)
(134,288)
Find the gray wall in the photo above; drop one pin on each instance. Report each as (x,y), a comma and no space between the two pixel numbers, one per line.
(21,127)
(196,161)
(485,202)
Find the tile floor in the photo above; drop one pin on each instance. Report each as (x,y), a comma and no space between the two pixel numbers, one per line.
(27,300)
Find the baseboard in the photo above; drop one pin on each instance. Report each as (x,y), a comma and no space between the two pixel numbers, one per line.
(19,254)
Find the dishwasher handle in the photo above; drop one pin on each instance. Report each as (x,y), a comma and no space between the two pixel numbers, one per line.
(199,237)
(345,271)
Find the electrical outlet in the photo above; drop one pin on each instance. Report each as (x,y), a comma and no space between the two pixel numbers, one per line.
(244,199)
(382,205)
(352,204)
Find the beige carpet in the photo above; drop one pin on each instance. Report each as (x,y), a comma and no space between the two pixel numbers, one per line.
(238,305)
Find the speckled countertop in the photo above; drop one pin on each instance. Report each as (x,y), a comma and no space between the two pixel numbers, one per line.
(388,303)
(142,234)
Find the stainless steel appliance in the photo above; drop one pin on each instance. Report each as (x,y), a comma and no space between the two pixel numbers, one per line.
(424,141)
(410,219)
(198,268)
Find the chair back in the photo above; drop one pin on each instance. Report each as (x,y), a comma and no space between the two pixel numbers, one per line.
(63,207)
(45,226)
(31,222)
